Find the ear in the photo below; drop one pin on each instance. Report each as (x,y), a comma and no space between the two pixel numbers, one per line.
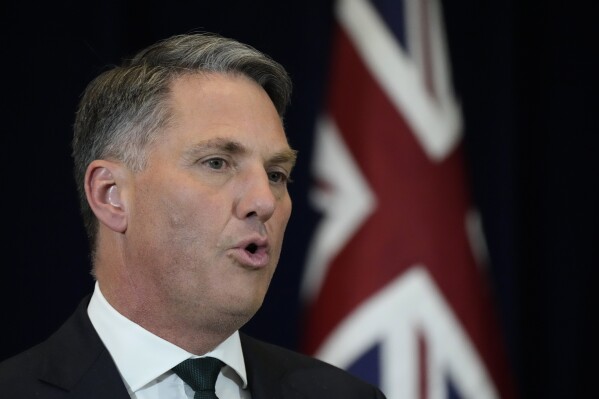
(104,183)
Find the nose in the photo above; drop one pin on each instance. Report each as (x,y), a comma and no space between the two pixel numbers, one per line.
(256,198)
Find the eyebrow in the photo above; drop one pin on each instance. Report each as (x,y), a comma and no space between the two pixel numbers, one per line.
(220,144)
(286,156)
(223,144)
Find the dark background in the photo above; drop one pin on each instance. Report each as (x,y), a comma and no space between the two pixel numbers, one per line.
(525,75)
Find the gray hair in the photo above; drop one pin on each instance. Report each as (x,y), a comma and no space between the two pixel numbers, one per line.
(126,108)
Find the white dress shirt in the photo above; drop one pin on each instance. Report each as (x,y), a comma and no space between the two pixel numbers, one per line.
(145,360)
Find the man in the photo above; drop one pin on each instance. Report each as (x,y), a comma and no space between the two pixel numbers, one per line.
(182,166)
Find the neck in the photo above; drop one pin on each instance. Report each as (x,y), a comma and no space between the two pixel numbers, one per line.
(129,289)
(194,338)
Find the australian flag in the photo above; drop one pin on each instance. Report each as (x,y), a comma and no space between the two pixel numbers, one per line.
(395,285)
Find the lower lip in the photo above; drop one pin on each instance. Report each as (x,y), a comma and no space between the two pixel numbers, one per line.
(256,260)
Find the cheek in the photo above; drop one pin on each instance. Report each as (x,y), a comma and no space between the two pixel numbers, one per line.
(177,214)
(183,201)
(286,207)
(278,223)
(191,218)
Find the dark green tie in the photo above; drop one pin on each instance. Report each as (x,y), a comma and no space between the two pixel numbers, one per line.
(200,374)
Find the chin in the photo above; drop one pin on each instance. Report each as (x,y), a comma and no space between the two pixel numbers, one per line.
(238,304)
(233,320)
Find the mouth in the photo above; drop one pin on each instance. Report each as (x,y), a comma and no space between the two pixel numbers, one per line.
(252,248)
(253,253)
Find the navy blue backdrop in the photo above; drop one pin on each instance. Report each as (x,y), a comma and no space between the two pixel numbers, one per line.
(524,72)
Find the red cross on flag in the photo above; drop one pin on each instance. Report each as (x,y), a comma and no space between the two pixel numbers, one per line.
(393,287)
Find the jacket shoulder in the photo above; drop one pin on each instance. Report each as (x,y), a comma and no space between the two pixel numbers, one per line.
(303,376)
(72,362)
(19,375)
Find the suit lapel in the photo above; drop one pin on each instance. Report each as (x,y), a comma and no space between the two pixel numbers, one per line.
(267,371)
(263,377)
(77,361)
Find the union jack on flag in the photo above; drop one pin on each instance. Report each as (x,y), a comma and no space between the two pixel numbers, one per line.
(394,288)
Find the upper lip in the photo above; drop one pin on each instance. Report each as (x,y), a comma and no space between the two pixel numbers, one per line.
(260,242)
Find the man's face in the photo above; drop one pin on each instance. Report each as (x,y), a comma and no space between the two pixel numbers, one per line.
(209,211)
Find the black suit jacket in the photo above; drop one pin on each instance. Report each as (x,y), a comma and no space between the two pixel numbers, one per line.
(74,363)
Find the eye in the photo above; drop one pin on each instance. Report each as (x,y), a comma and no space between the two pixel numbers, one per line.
(278,177)
(215,163)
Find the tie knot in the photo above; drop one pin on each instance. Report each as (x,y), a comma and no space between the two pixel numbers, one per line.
(200,374)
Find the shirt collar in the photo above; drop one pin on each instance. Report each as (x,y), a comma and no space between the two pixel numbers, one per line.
(141,356)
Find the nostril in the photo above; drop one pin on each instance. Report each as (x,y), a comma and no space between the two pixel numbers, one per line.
(252,248)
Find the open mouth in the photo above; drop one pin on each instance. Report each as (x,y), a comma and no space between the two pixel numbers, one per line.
(253,253)
(252,248)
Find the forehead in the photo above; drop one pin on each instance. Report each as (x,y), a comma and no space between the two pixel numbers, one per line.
(202,87)
(217,95)
(206,106)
